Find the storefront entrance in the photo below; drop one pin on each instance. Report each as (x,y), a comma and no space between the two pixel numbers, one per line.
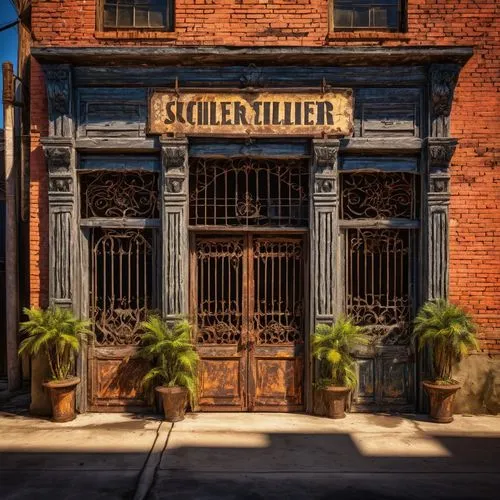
(247,295)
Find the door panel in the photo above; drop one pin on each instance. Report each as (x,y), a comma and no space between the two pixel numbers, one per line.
(219,307)
(276,354)
(247,297)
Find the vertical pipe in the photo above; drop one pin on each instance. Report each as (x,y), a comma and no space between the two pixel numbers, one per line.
(11,232)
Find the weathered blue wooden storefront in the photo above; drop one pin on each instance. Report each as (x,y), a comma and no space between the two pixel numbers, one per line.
(256,238)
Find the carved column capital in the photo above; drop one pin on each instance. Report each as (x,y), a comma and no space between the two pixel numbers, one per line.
(174,154)
(440,152)
(325,153)
(443,79)
(324,170)
(58,82)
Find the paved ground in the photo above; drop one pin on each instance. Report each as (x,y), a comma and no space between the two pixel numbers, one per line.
(249,456)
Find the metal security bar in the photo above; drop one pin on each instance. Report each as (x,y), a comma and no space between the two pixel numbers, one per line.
(119,194)
(379,275)
(138,14)
(249,192)
(122,270)
(220,290)
(379,195)
(278,290)
(368,14)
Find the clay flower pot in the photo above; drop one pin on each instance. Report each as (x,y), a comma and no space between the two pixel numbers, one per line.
(62,398)
(174,402)
(441,398)
(335,401)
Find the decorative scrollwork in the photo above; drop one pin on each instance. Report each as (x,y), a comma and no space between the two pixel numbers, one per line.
(252,77)
(219,333)
(174,157)
(325,157)
(118,194)
(443,81)
(58,86)
(58,159)
(378,195)
(378,283)
(121,284)
(246,191)
(61,184)
(276,333)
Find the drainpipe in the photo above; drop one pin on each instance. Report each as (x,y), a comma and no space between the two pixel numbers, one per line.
(11,233)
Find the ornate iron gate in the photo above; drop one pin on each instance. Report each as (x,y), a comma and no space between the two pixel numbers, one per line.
(247,295)
(380,215)
(122,281)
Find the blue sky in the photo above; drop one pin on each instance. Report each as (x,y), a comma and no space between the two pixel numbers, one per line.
(8,40)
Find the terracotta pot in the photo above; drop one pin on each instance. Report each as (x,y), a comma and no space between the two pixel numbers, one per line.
(335,401)
(174,402)
(441,398)
(62,398)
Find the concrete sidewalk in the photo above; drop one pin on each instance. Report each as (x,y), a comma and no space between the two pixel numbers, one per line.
(249,456)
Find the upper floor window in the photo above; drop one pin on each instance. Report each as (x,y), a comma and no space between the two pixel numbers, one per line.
(138,14)
(387,15)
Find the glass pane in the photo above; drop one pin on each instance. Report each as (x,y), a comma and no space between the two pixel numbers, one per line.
(141,17)
(361,16)
(125,16)
(110,15)
(157,16)
(380,15)
(343,18)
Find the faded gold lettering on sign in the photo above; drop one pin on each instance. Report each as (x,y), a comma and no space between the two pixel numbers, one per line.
(262,113)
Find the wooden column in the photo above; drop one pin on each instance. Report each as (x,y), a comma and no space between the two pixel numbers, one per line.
(439,153)
(440,148)
(324,230)
(63,228)
(323,238)
(174,215)
(59,153)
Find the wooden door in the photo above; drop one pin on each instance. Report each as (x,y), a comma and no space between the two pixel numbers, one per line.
(247,297)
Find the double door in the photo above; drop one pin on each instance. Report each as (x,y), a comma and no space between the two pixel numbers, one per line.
(247,298)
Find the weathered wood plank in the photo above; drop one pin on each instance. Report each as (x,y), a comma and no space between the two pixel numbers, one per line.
(119,162)
(364,56)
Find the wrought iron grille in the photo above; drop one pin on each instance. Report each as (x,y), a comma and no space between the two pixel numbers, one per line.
(220,281)
(248,192)
(119,194)
(122,283)
(379,281)
(278,291)
(379,195)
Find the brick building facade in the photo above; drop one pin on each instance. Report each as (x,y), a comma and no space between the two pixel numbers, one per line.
(411,71)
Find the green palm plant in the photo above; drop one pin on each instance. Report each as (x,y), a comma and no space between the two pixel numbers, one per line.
(332,345)
(56,332)
(171,353)
(449,332)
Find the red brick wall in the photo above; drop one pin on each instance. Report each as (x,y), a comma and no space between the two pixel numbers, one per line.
(38,221)
(475,205)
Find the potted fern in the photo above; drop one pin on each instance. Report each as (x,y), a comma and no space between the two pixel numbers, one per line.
(449,333)
(58,334)
(332,346)
(174,362)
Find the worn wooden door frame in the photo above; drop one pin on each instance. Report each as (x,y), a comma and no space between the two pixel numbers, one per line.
(248,351)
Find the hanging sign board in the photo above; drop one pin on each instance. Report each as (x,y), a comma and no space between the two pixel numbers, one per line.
(291,113)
